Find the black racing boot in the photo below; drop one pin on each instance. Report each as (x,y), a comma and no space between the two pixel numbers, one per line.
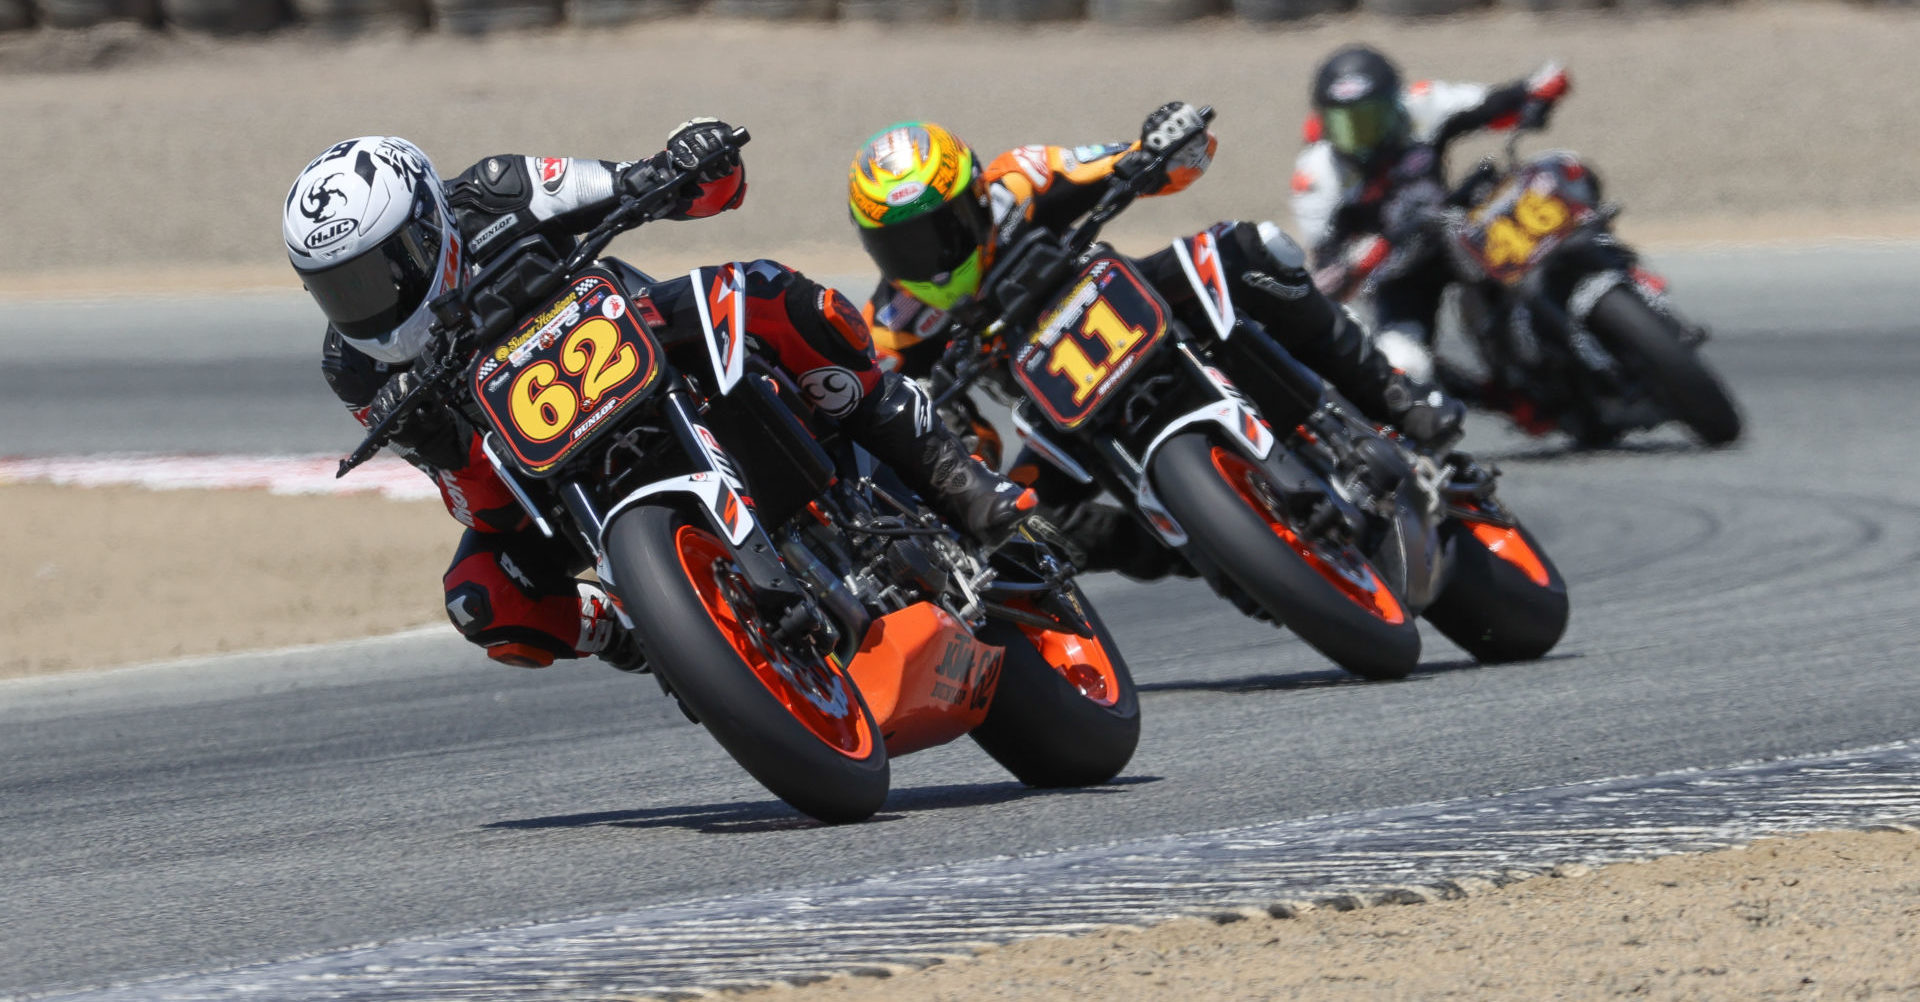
(897,424)
(1424,413)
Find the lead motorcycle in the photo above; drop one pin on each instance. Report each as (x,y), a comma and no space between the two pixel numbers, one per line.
(1242,460)
(1573,332)
(796,598)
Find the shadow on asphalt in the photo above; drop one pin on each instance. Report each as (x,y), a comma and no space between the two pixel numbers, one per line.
(774,816)
(1327,679)
(1545,453)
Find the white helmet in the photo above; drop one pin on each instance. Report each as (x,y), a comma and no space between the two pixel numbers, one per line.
(368,228)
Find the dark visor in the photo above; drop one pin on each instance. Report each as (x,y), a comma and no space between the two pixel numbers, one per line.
(934,244)
(368,295)
(1356,129)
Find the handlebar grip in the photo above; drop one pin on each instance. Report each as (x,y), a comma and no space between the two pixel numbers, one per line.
(740,136)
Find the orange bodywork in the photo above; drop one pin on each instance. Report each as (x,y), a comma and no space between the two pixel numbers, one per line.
(925,678)
(1510,546)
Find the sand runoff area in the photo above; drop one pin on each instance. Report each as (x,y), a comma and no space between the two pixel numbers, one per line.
(160,162)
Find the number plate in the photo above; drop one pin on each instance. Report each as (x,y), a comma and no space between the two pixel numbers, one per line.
(1523,220)
(1090,341)
(564,374)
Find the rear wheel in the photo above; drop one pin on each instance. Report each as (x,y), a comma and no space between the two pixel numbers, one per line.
(1651,346)
(1504,599)
(1331,596)
(793,720)
(1066,712)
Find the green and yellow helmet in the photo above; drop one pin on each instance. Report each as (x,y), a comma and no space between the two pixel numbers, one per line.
(916,196)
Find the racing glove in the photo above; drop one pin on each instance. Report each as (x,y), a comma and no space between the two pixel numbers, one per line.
(722,184)
(1166,126)
(1545,88)
(430,433)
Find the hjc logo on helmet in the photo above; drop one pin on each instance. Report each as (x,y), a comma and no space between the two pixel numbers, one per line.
(324,235)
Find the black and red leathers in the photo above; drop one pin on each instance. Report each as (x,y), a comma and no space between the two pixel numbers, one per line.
(509,588)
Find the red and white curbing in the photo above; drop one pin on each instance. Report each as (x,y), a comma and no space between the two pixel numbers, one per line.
(309,474)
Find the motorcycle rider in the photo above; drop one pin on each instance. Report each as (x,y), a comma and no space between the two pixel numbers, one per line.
(931,216)
(1375,157)
(376,236)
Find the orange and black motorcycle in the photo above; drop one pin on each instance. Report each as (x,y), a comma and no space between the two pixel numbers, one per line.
(1242,460)
(793,595)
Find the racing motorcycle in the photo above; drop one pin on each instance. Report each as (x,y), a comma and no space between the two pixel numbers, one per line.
(795,598)
(1573,332)
(1241,459)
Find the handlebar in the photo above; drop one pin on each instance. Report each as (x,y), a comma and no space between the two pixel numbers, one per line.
(968,363)
(451,333)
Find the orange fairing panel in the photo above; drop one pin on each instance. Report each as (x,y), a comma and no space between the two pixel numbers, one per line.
(925,678)
(1510,546)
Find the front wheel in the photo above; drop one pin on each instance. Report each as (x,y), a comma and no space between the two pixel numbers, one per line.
(1504,599)
(1066,712)
(1331,596)
(792,719)
(1650,345)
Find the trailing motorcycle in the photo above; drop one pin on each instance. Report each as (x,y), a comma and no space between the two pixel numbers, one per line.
(1573,332)
(1242,460)
(793,596)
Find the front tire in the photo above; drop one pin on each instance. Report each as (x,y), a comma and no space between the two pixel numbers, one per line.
(795,722)
(1066,712)
(1649,344)
(1504,599)
(1333,599)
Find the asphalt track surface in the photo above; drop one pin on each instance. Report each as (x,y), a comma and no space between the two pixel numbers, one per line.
(1728,606)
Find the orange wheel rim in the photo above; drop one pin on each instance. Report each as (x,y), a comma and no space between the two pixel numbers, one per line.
(1509,545)
(1353,578)
(818,696)
(1082,661)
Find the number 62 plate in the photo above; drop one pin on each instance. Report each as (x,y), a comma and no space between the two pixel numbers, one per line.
(566,372)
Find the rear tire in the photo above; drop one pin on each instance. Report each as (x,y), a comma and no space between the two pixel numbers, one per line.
(1366,632)
(1494,607)
(683,594)
(1053,724)
(1650,345)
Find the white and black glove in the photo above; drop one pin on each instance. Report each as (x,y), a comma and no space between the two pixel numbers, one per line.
(698,138)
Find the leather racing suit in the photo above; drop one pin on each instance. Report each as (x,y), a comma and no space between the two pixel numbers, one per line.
(1363,218)
(514,591)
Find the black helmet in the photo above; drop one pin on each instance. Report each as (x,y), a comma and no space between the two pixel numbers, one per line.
(1357,93)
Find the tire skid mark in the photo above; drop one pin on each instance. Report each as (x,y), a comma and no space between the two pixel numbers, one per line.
(912,919)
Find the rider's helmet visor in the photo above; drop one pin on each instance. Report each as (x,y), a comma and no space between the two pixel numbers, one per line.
(930,245)
(1357,130)
(368,295)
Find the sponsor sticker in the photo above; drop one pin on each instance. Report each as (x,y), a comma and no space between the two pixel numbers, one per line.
(832,390)
(553,173)
(614,308)
(1351,87)
(494,229)
(1032,161)
(906,192)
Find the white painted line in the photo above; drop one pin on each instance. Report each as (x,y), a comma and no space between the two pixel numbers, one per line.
(308,474)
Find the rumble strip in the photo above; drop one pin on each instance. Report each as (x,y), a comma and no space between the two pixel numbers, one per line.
(886,923)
